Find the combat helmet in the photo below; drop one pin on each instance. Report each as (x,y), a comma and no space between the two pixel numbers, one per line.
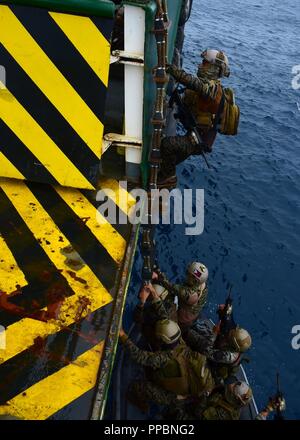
(168,331)
(218,58)
(238,392)
(240,339)
(197,272)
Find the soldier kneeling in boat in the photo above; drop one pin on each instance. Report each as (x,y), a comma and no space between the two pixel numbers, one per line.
(224,352)
(175,372)
(212,109)
(224,403)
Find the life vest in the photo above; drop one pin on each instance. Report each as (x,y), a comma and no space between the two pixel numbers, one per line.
(205,110)
(186,373)
(214,115)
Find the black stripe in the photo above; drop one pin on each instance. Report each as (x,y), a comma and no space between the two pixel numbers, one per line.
(81,238)
(122,229)
(49,118)
(44,279)
(65,56)
(104,25)
(19,155)
(48,356)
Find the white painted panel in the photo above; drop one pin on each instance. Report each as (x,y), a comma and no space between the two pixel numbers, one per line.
(134,29)
(134,79)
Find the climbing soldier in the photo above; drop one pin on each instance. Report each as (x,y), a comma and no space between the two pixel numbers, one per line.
(192,294)
(212,110)
(176,371)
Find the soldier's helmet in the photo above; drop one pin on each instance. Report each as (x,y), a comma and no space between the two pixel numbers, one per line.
(168,331)
(198,272)
(217,57)
(239,392)
(161,291)
(240,339)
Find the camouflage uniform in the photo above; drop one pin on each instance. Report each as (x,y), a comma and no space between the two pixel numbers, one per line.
(166,371)
(217,406)
(176,149)
(205,84)
(148,314)
(146,391)
(190,299)
(201,338)
(154,360)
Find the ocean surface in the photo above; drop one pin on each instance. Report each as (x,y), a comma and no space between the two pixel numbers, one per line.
(252,201)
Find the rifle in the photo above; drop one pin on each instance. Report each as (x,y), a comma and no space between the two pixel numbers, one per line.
(226,320)
(279,401)
(186,117)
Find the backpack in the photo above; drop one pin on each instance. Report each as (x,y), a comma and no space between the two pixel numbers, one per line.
(230,116)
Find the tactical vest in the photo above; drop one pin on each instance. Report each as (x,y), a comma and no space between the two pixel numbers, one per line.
(217,404)
(189,311)
(186,373)
(226,370)
(212,115)
(205,110)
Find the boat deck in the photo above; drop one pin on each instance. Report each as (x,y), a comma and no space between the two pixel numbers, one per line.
(61,277)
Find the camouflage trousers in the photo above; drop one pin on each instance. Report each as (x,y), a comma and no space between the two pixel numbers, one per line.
(174,150)
(145,391)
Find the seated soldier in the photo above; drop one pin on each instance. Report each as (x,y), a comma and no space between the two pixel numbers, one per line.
(225,352)
(224,403)
(176,371)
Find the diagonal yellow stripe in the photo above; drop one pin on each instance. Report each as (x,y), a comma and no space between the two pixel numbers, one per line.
(7,169)
(113,242)
(49,236)
(24,49)
(88,40)
(11,277)
(39,143)
(21,335)
(54,392)
(118,194)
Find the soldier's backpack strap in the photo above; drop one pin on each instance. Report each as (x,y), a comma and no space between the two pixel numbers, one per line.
(218,116)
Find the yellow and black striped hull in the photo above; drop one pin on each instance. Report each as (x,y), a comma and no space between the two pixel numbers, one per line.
(60,271)
(55,69)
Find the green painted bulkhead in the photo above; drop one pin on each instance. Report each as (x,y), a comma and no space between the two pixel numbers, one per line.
(101,8)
